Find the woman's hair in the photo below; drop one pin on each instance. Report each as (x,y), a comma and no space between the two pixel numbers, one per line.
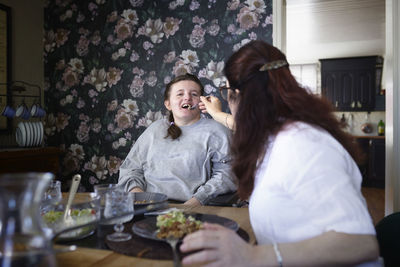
(173,130)
(270,97)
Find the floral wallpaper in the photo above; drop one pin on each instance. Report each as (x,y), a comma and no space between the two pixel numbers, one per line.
(107,63)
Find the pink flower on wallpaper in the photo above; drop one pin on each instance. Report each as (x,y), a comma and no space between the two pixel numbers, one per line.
(257,6)
(194,5)
(62,121)
(82,47)
(153,30)
(114,76)
(70,77)
(113,165)
(70,163)
(214,28)
(123,119)
(98,165)
(196,38)
(136,3)
(96,125)
(130,107)
(50,125)
(113,16)
(138,71)
(97,78)
(61,36)
(96,38)
(247,19)
(151,80)
(112,105)
(123,29)
(198,20)
(170,57)
(171,26)
(134,56)
(83,132)
(84,117)
(81,103)
(233,5)
(136,87)
(180,68)
(77,151)
(76,65)
(130,16)
(190,58)
(49,41)
(149,119)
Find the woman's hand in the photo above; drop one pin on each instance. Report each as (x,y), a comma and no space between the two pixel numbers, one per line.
(219,246)
(210,105)
(136,190)
(193,202)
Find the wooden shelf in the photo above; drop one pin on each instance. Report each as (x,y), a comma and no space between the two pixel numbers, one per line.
(41,159)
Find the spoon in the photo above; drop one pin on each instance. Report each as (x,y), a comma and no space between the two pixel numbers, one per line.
(72,191)
(193,107)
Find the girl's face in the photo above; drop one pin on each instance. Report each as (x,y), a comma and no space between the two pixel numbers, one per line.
(182,94)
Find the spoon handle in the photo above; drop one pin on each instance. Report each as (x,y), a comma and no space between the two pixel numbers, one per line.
(74,187)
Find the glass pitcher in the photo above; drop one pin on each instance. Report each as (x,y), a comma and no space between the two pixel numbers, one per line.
(23,242)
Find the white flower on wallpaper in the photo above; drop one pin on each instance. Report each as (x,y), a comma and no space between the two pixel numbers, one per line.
(213,72)
(107,64)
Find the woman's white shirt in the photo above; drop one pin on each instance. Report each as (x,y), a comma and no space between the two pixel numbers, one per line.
(307,184)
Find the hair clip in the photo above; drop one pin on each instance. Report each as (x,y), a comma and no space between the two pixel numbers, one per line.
(172,123)
(273,65)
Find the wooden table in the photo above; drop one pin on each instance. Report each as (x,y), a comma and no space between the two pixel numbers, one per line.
(95,257)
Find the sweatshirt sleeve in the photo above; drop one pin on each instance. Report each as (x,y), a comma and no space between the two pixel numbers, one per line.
(221,179)
(131,171)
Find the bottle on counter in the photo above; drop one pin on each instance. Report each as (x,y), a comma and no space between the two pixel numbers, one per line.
(381,128)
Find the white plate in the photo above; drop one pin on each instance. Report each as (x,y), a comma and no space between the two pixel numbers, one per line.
(29,133)
(41,133)
(18,136)
(23,133)
(37,133)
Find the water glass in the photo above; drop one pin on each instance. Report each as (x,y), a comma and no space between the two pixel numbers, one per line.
(117,203)
(52,195)
(101,190)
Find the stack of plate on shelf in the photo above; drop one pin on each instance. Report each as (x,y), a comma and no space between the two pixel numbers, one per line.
(29,134)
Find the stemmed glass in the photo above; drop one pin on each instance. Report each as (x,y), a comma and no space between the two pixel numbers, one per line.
(117,203)
(52,195)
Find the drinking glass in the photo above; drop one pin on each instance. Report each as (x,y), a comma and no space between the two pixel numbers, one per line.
(101,190)
(52,195)
(117,203)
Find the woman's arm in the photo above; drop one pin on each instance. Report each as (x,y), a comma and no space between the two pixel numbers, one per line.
(212,106)
(225,248)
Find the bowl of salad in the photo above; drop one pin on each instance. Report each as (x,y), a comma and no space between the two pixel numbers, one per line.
(81,221)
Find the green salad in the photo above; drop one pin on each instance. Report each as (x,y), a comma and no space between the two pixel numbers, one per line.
(54,220)
(175,224)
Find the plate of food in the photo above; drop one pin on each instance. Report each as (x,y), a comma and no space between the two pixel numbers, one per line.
(143,199)
(82,213)
(177,225)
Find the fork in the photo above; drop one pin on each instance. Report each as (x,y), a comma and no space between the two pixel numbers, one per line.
(173,242)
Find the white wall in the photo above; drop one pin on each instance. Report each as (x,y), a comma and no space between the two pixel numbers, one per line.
(334,28)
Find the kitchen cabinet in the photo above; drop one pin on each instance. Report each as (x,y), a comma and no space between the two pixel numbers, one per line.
(352,84)
(373,168)
(42,159)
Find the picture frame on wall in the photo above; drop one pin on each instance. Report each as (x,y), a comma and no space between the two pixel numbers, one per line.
(5,67)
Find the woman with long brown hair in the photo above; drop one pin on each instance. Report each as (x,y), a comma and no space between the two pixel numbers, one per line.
(185,156)
(298,169)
